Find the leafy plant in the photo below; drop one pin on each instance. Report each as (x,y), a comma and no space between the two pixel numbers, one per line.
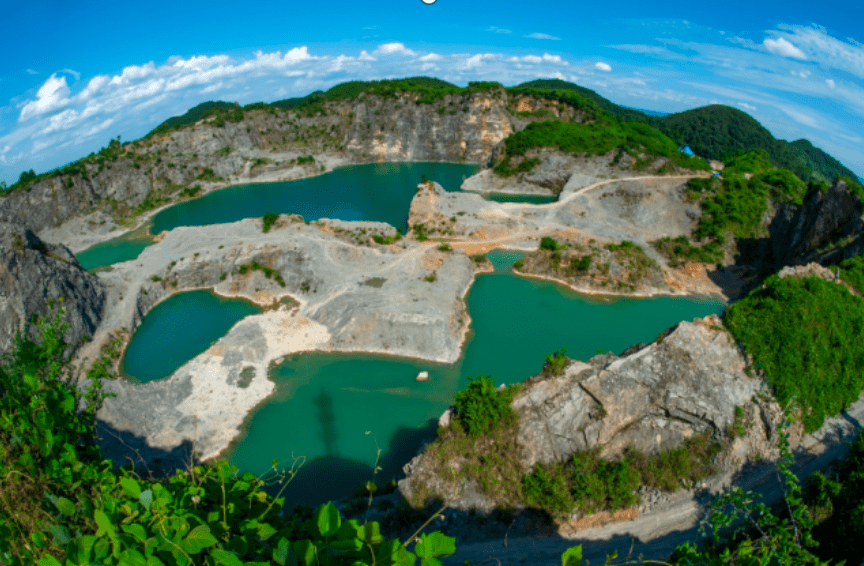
(268,220)
(556,362)
(480,407)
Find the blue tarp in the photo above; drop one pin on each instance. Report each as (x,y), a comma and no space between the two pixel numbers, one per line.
(686,150)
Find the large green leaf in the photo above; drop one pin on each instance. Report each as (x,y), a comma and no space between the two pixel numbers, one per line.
(305,551)
(283,554)
(435,544)
(65,506)
(48,561)
(225,558)
(146,499)
(197,540)
(572,556)
(130,488)
(327,519)
(136,531)
(104,523)
(131,557)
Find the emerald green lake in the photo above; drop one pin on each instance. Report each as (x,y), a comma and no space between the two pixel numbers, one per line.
(325,402)
(525,199)
(376,191)
(179,329)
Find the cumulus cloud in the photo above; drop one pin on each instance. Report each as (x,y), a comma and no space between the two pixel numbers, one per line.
(364,56)
(542,36)
(830,83)
(52,95)
(498,30)
(394,49)
(746,106)
(781,46)
(75,74)
(605,67)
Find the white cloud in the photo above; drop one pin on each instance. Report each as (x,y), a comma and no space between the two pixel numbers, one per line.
(364,56)
(831,52)
(780,46)
(51,95)
(32,72)
(498,30)
(605,67)
(430,57)
(830,83)
(746,106)
(393,49)
(75,74)
(542,36)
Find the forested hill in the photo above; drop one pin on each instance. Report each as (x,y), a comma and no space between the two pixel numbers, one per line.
(718,132)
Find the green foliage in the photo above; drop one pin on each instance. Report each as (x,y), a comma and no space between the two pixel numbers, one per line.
(303,159)
(679,250)
(420,233)
(556,362)
(758,537)
(268,271)
(734,204)
(268,220)
(445,248)
(479,258)
(62,503)
(580,265)
(208,175)
(386,240)
(549,244)
(480,407)
(804,334)
(836,504)
(595,139)
(191,116)
(431,278)
(190,192)
(852,272)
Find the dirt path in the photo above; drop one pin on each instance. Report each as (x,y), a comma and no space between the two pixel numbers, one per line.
(483,245)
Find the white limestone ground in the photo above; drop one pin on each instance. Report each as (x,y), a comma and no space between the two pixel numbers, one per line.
(352,298)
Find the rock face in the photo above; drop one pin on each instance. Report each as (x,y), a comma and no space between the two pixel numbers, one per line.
(653,399)
(32,273)
(265,145)
(800,235)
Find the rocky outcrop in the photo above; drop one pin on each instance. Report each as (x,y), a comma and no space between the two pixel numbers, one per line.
(826,228)
(32,273)
(651,398)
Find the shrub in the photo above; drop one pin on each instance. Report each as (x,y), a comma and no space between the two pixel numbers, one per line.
(386,240)
(803,334)
(268,220)
(445,248)
(479,258)
(556,362)
(479,408)
(548,244)
(580,265)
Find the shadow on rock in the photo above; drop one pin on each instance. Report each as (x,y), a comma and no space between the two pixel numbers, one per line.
(124,448)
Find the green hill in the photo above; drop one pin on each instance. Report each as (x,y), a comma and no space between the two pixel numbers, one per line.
(192,116)
(715,132)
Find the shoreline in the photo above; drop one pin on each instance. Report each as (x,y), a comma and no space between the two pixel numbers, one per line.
(607,296)
(141,221)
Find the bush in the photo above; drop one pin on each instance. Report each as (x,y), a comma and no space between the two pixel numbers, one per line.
(268,220)
(548,244)
(479,408)
(386,240)
(556,362)
(804,334)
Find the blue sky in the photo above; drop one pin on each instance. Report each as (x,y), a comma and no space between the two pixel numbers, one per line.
(73,76)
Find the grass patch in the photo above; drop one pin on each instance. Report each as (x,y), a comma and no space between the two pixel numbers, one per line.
(268,220)
(376,282)
(805,335)
(679,251)
(246,376)
(268,271)
(386,240)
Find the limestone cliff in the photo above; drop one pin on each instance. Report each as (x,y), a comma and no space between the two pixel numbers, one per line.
(32,273)
(651,398)
(127,179)
(826,228)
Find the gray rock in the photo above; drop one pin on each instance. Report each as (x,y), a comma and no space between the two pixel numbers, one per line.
(799,233)
(652,399)
(32,273)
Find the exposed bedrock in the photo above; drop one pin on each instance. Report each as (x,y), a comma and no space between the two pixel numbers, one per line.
(32,273)
(341,296)
(651,398)
(826,228)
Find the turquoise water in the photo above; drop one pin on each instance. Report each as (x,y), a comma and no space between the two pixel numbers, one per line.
(525,199)
(326,402)
(377,191)
(178,329)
